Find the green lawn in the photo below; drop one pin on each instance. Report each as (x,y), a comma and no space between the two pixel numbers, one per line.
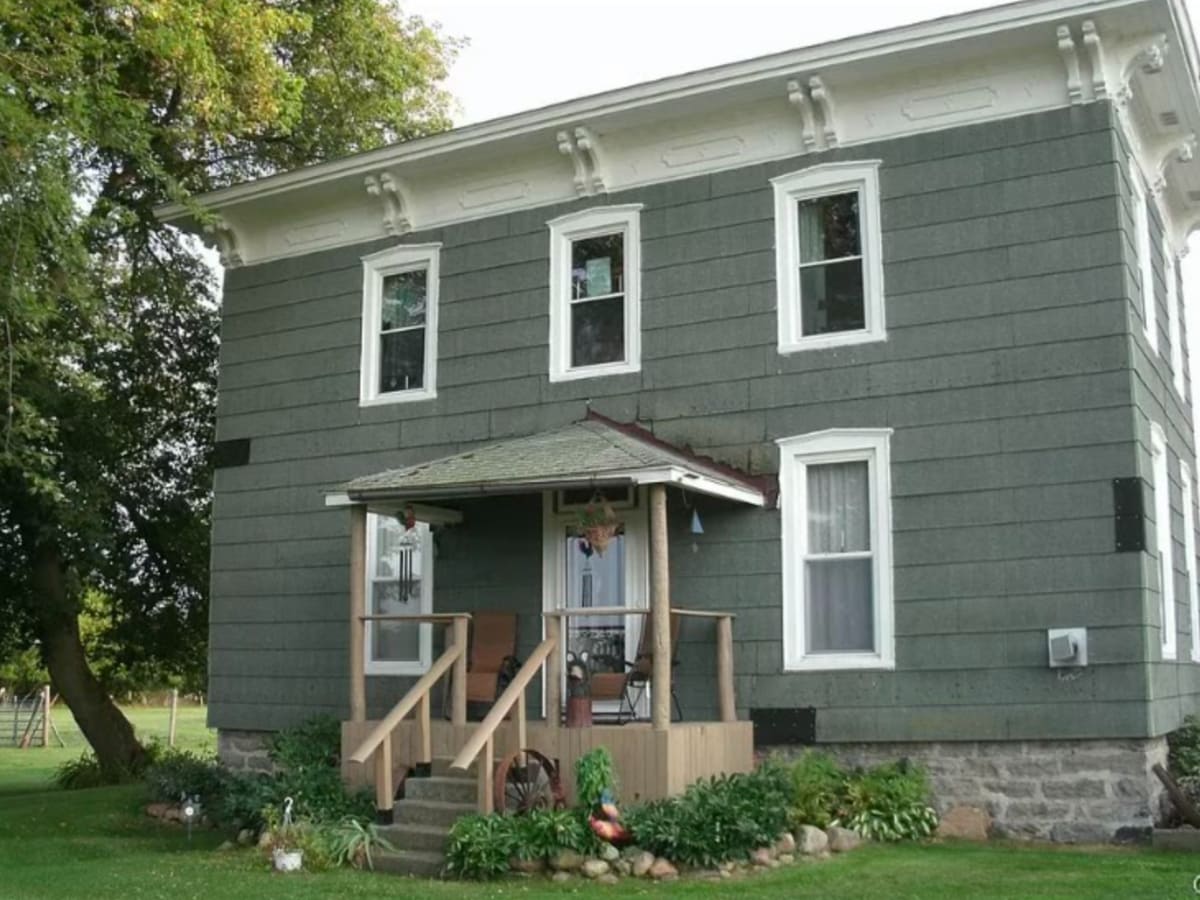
(22,771)
(97,844)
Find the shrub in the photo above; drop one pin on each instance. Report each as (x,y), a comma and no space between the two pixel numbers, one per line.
(540,833)
(819,788)
(84,772)
(890,803)
(594,774)
(179,772)
(352,843)
(314,743)
(1183,746)
(717,819)
(480,847)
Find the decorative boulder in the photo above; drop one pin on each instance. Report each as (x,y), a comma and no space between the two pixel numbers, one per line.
(561,876)
(641,863)
(968,823)
(786,843)
(566,861)
(761,857)
(609,853)
(528,866)
(811,841)
(623,867)
(158,810)
(842,839)
(245,837)
(662,869)
(608,878)
(594,868)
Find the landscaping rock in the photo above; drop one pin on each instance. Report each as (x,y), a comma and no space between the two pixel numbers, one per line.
(662,869)
(786,858)
(624,867)
(225,847)
(264,839)
(561,876)
(566,861)
(761,857)
(158,810)
(245,837)
(842,840)
(609,853)
(528,866)
(608,878)
(642,863)
(968,823)
(594,868)
(811,841)
(786,843)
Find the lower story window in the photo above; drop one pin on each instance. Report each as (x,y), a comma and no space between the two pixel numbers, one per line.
(399,582)
(837,582)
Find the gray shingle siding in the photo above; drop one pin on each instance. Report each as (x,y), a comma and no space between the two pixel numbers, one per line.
(1013,374)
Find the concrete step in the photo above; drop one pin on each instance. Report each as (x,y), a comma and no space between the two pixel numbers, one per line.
(427,838)
(421,863)
(430,812)
(441,787)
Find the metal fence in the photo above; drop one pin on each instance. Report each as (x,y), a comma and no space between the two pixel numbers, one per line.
(22,719)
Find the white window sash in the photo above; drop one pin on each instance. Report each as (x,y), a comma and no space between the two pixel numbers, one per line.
(371,665)
(836,446)
(1141,221)
(1174,331)
(377,267)
(1162,531)
(1189,550)
(858,176)
(564,232)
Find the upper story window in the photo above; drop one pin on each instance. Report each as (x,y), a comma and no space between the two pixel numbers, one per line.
(835,492)
(1141,227)
(1161,483)
(595,293)
(399,338)
(399,583)
(829,256)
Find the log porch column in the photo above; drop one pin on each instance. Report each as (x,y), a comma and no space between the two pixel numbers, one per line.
(660,611)
(358,586)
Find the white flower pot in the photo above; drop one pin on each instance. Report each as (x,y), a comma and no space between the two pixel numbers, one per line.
(287,860)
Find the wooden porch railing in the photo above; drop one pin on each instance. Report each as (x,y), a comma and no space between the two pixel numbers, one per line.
(483,741)
(379,741)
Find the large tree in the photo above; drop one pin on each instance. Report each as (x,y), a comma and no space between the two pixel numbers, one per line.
(108,326)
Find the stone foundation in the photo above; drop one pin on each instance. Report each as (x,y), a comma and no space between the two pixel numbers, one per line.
(1068,791)
(244,750)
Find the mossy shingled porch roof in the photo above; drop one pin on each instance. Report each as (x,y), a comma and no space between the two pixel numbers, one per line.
(594,451)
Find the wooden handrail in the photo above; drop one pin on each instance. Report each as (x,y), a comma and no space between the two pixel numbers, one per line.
(415,617)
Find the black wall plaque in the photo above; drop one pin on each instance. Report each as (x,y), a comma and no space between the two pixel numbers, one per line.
(229,454)
(774,727)
(1129,515)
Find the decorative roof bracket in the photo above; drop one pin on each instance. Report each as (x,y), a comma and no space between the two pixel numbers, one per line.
(1066,49)
(396,206)
(798,97)
(226,239)
(1178,148)
(1096,59)
(824,101)
(814,102)
(587,157)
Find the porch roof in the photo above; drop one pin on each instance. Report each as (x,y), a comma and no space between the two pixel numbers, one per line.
(594,451)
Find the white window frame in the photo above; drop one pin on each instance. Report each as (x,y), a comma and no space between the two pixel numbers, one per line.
(1141,225)
(376,267)
(1189,549)
(834,446)
(565,230)
(372,666)
(1162,533)
(1174,331)
(824,180)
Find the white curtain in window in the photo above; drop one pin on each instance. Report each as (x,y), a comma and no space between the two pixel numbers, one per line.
(838,582)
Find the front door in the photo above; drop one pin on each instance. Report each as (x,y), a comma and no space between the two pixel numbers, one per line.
(578,576)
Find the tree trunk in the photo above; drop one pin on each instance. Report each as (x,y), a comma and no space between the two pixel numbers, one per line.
(102,723)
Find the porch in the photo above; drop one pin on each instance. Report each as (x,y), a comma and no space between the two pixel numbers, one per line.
(427,728)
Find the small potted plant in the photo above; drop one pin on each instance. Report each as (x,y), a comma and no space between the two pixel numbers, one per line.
(283,839)
(598,525)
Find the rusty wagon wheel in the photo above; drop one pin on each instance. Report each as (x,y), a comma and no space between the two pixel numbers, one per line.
(527,780)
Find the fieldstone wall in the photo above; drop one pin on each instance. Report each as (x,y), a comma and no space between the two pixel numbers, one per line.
(241,750)
(1067,791)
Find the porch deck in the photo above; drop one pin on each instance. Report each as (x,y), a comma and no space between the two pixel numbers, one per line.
(650,763)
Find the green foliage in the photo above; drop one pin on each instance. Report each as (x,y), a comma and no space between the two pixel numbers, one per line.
(352,842)
(717,819)
(1183,749)
(819,787)
(84,772)
(480,847)
(242,799)
(22,671)
(180,772)
(594,774)
(315,742)
(540,833)
(307,759)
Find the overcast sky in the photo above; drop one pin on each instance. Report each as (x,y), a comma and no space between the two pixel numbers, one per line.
(527,53)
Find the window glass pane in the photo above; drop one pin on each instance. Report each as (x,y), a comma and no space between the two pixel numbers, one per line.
(829,227)
(840,613)
(598,266)
(596,580)
(831,298)
(401,360)
(598,332)
(393,641)
(404,296)
(839,515)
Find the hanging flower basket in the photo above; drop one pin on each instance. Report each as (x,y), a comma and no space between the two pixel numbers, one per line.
(598,525)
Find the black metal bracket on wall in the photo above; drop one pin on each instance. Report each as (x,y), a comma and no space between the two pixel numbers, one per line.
(1129,514)
(231,454)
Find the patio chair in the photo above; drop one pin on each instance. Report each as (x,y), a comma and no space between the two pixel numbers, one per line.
(629,685)
(491,655)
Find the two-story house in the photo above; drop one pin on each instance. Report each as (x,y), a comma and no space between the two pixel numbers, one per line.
(873,349)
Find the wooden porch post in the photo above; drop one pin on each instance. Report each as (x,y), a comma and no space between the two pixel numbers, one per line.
(725,700)
(660,610)
(554,630)
(458,680)
(358,586)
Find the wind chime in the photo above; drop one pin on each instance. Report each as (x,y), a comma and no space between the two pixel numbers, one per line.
(407,546)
